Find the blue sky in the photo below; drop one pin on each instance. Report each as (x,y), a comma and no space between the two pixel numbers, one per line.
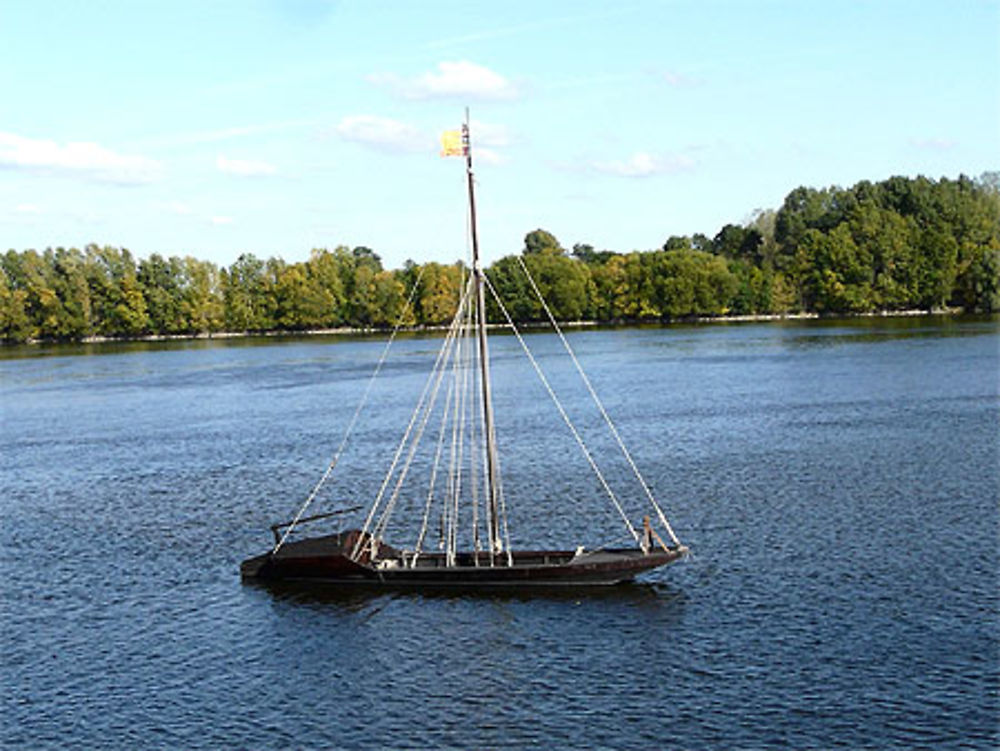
(219,127)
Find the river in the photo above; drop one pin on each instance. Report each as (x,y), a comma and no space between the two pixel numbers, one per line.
(837,481)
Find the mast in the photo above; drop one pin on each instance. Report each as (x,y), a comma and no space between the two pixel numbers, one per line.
(492,462)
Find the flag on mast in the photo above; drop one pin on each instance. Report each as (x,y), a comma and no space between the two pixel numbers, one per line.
(452,143)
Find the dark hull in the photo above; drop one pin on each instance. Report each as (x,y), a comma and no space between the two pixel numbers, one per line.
(327,560)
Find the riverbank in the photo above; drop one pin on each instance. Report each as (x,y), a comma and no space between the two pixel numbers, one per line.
(363,331)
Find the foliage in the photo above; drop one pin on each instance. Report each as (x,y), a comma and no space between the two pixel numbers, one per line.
(893,245)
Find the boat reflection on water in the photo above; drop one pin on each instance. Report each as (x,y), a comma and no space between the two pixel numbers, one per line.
(363,598)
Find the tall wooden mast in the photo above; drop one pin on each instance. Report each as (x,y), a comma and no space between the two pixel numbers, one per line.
(492,460)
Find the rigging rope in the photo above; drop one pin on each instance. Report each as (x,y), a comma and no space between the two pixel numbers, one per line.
(354,418)
(428,409)
(457,446)
(600,406)
(562,412)
(418,547)
(474,441)
(390,506)
(449,339)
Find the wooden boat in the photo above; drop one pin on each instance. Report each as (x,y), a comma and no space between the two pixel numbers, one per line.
(360,556)
(329,558)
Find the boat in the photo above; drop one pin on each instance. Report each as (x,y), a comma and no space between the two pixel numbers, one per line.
(464,493)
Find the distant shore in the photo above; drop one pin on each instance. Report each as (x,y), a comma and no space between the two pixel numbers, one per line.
(362,331)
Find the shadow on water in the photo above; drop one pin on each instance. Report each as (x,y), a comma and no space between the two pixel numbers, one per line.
(861,328)
(181,343)
(363,597)
(824,332)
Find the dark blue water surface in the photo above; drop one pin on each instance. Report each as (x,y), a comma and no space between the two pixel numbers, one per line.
(838,482)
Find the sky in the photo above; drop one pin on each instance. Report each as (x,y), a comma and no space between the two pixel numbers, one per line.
(221,127)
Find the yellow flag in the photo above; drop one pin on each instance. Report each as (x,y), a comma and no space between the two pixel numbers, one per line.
(451,143)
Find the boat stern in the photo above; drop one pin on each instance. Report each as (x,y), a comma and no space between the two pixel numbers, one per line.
(253,568)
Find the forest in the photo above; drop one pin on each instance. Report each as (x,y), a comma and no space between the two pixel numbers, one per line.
(900,244)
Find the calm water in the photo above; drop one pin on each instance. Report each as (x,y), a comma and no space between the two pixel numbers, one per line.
(838,482)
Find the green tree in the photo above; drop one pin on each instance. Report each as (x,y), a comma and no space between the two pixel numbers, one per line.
(362,304)
(202,298)
(636,293)
(15,325)
(32,275)
(247,293)
(606,278)
(117,303)
(367,256)
(357,270)
(564,284)
(784,296)
(743,243)
(439,293)
(677,242)
(390,301)
(982,282)
(513,290)
(937,268)
(977,230)
(753,289)
(803,209)
(840,280)
(540,241)
(887,237)
(325,287)
(162,283)
(73,290)
(691,282)
(289,303)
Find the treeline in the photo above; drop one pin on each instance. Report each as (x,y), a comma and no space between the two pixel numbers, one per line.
(898,244)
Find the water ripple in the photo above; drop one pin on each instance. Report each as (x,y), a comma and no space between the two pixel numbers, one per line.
(837,483)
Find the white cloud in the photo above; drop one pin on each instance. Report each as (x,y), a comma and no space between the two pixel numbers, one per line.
(177,207)
(459,79)
(173,140)
(244,168)
(934,144)
(226,134)
(554,25)
(221,220)
(24,214)
(87,217)
(489,134)
(673,78)
(383,133)
(82,159)
(645,164)
(488,156)
(488,141)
